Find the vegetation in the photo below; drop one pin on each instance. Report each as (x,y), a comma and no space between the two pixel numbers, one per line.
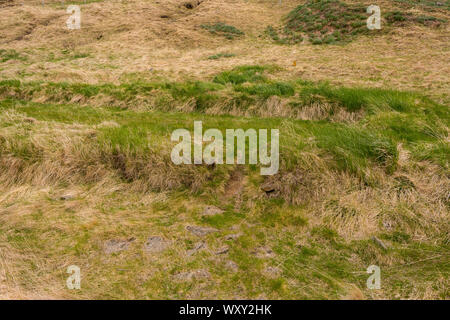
(221,55)
(321,22)
(334,21)
(426,4)
(11,54)
(402,18)
(386,117)
(223,29)
(86,176)
(102,146)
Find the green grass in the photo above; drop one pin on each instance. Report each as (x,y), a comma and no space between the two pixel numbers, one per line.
(321,22)
(429,20)
(10,54)
(241,86)
(354,148)
(267,90)
(426,4)
(400,18)
(221,55)
(334,21)
(241,75)
(222,29)
(387,117)
(67,55)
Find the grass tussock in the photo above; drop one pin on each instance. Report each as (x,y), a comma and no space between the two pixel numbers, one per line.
(321,22)
(399,18)
(223,29)
(221,55)
(10,54)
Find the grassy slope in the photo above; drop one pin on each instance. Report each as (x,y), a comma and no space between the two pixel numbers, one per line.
(315,255)
(356,162)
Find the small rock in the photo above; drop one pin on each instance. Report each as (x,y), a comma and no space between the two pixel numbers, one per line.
(223,250)
(268,187)
(200,231)
(156,244)
(379,242)
(67,197)
(115,245)
(197,247)
(29,120)
(191,275)
(211,211)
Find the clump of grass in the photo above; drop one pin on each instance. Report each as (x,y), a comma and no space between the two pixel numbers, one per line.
(221,55)
(251,80)
(220,28)
(10,54)
(272,33)
(436,152)
(354,99)
(241,75)
(396,17)
(356,149)
(322,22)
(266,90)
(200,92)
(429,20)
(399,18)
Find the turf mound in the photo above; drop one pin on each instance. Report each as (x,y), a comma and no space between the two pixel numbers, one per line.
(322,21)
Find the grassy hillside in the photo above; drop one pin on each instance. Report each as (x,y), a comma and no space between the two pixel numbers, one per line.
(86,177)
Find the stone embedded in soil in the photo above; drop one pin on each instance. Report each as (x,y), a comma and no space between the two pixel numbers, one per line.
(201,231)
(197,247)
(67,197)
(29,120)
(156,244)
(268,187)
(116,245)
(211,211)
(192,275)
